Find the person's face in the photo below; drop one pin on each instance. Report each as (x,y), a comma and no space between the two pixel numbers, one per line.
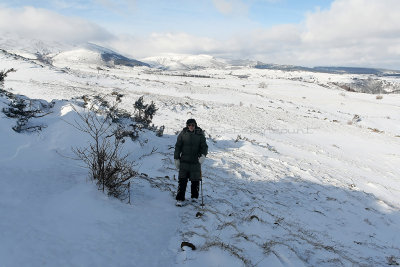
(191,126)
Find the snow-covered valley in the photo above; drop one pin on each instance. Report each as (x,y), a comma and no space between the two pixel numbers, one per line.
(299,173)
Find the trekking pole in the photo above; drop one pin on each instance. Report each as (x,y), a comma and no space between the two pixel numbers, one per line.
(202,202)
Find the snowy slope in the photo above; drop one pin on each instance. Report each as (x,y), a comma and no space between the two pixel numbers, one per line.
(293,177)
(93,56)
(185,62)
(79,56)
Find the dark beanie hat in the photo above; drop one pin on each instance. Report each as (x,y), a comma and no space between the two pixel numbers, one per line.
(189,121)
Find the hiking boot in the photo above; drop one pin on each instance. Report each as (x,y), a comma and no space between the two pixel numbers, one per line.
(179,203)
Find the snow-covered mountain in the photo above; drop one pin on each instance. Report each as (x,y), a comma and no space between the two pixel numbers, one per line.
(32,48)
(301,171)
(65,55)
(91,54)
(185,62)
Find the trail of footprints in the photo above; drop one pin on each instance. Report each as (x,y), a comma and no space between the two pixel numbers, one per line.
(254,219)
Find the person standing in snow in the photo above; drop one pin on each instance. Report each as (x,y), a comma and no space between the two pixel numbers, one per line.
(190,152)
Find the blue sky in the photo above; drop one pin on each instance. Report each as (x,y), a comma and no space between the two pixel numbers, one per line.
(362,33)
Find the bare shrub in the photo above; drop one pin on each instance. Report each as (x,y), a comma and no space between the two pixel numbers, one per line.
(144,112)
(24,109)
(375,130)
(4,73)
(392,261)
(160,131)
(128,125)
(356,118)
(117,95)
(262,85)
(107,164)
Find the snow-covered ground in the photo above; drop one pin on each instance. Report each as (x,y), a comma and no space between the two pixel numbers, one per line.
(299,171)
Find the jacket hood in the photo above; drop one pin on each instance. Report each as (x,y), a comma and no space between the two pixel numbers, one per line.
(189,121)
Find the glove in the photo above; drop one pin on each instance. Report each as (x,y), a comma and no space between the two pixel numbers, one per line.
(177,163)
(201,159)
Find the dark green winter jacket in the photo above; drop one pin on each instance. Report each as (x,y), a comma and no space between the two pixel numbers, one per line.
(189,147)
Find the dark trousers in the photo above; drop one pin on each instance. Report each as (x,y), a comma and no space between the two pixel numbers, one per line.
(182,183)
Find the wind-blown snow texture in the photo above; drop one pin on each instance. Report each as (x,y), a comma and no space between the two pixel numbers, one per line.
(293,177)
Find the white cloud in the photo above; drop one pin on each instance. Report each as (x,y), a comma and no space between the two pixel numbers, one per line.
(223,6)
(241,7)
(357,32)
(31,22)
(354,19)
(161,43)
(268,1)
(231,7)
(122,7)
(68,4)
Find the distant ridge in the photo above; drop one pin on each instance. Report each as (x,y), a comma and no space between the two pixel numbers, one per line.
(334,70)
